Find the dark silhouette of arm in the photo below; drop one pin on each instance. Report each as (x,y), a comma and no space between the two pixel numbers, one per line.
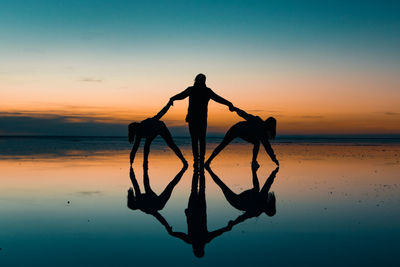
(220,100)
(180,235)
(214,234)
(244,115)
(181,95)
(269,150)
(241,218)
(268,183)
(134,182)
(256,183)
(162,112)
(163,221)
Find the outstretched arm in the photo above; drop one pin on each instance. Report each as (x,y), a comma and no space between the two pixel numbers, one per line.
(180,96)
(254,169)
(163,221)
(221,100)
(241,218)
(270,151)
(214,234)
(268,183)
(244,114)
(162,111)
(180,235)
(134,149)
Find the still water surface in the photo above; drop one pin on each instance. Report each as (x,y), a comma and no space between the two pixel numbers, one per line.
(66,205)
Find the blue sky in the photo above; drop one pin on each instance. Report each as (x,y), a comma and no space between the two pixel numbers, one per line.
(58,53)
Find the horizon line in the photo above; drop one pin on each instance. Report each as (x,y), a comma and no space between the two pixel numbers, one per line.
(328,136)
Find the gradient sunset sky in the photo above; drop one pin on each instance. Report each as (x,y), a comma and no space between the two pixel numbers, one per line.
(91,67)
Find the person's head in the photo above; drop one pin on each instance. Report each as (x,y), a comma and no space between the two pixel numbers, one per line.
(198,249)
(270,204)
(131,203)
(270,124)
(132,131)
(200,80)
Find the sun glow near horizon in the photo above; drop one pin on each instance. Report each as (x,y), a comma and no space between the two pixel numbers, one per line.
(115,63)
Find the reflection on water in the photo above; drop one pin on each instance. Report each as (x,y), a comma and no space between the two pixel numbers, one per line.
(149,202)
(335,205)
(253,202)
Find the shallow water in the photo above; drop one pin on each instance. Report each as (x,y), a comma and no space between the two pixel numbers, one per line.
(67,205)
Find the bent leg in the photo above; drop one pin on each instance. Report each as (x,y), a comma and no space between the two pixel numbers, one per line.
(195,140)
(134,149)
(166,135)
(230,135)
(134,182)
(230,196)
(146,151)
(202,141)
(166,194)
(256,148)
(146,181)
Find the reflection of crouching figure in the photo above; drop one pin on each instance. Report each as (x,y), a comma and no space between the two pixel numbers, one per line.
(149,202)
(253,201)
(150,128)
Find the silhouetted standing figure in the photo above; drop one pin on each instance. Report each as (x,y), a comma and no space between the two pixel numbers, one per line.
(253,201)
(149,202)
(149,129)
(199,96)
(196,216)
(254,130)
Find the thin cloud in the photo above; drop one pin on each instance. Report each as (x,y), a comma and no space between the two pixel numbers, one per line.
(88,193)
(91,80)
(389,113)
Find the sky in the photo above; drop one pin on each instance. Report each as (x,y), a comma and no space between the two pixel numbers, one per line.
(92,67)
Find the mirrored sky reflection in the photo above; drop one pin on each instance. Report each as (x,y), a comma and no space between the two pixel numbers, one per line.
(334,205)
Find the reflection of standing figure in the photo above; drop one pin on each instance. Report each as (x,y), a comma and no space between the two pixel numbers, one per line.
(149,129)
(149,202)
(196,216)
(254,130)
(199,96)
(253,201)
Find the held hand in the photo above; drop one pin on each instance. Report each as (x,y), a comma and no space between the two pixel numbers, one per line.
(232,108)
(171,102)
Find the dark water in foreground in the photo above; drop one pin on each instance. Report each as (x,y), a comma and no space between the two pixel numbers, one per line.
(63,201)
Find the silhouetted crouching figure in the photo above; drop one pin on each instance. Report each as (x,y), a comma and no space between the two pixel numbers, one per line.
(253,201)
(254,130)
(149,129)
(149,202)
(199,96)
(196,216)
